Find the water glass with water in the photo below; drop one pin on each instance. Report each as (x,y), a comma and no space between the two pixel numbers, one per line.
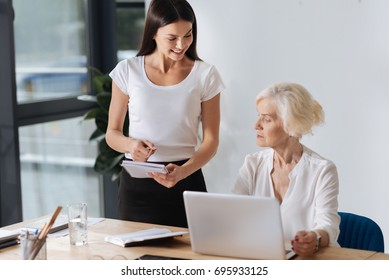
(78,223)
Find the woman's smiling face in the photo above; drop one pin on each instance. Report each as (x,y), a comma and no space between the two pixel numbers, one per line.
(173,40)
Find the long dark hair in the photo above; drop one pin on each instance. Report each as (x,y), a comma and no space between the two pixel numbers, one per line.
(162,13)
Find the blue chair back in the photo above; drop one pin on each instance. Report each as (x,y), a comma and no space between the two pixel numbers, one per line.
(359,232)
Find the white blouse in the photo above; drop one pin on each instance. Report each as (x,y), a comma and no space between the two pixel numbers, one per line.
(311,201)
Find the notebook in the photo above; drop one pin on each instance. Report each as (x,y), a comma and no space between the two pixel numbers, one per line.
(139,169)
(61,222)
(142,237)
(235,226)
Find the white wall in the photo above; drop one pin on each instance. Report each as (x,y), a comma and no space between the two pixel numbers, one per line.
(339,50)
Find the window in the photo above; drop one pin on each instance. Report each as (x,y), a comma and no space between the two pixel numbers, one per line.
(130,23)
(57,167)
(53,43)
(56,158)
(50,49)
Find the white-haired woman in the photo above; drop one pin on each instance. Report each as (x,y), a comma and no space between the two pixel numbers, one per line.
(305,183)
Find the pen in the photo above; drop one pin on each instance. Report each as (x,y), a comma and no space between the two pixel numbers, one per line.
(149,153)
(41,229)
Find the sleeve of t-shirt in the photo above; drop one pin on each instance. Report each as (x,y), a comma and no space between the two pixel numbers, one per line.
(120,76)
(213,84)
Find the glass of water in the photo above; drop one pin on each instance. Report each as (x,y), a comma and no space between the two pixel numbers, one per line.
(78,223)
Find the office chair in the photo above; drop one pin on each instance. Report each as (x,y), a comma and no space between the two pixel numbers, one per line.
(359,232)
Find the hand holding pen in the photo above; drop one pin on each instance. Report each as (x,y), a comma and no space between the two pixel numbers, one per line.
(141,150)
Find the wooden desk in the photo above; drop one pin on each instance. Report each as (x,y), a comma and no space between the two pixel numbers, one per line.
(379,256)
(179,247)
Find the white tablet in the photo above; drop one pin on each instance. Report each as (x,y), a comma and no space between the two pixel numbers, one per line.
(138,169)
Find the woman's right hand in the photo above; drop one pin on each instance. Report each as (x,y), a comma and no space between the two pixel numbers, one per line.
(304,243)
(141,150)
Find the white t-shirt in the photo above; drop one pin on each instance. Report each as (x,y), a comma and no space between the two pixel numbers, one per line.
(167,116)
(311,201)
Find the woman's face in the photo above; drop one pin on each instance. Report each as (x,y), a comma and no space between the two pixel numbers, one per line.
(173,40)
(270,132)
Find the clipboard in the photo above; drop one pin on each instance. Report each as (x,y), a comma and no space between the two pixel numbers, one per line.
(139,169)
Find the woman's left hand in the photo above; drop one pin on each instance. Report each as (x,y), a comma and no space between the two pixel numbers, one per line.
(168,180)
(304,243)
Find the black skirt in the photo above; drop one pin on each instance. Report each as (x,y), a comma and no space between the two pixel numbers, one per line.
(145,200)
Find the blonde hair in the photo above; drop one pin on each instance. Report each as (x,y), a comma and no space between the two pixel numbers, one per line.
(296,107)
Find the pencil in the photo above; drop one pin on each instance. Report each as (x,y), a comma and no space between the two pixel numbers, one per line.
(39,242)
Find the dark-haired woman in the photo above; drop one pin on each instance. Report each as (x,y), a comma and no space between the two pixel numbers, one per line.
(168,91)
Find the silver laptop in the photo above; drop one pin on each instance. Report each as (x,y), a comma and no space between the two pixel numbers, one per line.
(235,226)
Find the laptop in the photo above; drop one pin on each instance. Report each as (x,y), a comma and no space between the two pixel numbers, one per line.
(237,226)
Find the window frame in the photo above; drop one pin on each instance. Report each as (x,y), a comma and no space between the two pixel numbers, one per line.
(10,183)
